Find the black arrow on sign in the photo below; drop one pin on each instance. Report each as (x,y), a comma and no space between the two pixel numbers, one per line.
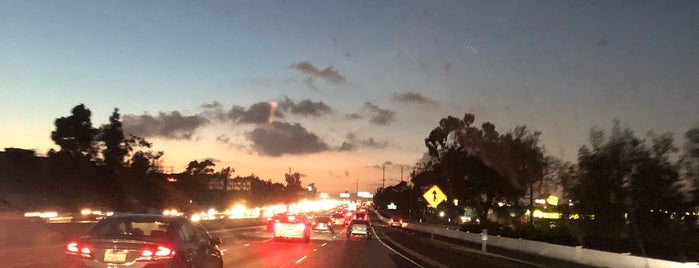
(434,193)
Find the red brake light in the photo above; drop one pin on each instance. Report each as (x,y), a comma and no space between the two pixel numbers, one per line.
(74,248)
(156,253)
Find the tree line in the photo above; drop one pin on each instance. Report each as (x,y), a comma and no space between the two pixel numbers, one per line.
(624,193)
(103,166)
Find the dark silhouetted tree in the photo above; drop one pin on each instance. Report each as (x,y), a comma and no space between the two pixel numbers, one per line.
(294,186)
(142,160)
(479,166)
(690,164)
(200,168)
(626,179)
(74,134)
(112,136)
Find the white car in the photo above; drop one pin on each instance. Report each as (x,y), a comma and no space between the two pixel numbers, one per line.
(291,227)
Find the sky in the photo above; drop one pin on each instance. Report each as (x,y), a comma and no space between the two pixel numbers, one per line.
(336,90)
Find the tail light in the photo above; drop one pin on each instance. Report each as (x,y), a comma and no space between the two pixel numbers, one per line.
(277,226)
(75,248)
(156,253)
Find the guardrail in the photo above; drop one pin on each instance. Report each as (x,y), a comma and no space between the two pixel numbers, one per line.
(572,254)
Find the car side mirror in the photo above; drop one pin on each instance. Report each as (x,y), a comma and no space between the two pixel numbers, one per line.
(216,241)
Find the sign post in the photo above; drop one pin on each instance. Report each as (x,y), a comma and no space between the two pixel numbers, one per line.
(484,239)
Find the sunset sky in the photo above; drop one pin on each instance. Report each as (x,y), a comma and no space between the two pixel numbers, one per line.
(355,84)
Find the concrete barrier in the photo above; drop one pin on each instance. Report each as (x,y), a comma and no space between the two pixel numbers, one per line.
(572,254)
(567,253)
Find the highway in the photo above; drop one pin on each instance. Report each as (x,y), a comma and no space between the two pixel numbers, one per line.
(254,247)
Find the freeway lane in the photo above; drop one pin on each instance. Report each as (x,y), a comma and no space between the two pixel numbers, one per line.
(254,247)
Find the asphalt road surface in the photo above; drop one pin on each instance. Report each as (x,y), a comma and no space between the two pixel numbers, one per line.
(254,247)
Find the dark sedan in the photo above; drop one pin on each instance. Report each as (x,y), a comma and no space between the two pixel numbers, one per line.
(140,240)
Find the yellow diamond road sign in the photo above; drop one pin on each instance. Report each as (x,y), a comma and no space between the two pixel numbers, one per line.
(434,196)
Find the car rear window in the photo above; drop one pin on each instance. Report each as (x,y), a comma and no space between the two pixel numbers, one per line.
(130,227)
(359,222)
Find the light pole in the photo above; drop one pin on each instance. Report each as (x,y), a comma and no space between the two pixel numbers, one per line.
(383,176)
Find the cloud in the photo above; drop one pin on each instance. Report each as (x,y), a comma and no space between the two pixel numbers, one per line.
(371,143)
(353,116)
(279,138)
(223,138)
(305,107)
(353,142)
(171,125)
(377,115)
(412,97)
(214,111)
(258,113)
(328,74)
(213,160)
(261,112)
(381,166)
(346,146)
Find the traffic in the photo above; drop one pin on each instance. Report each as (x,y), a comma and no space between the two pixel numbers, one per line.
(295,237)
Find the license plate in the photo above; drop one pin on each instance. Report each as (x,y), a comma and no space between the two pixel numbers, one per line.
(115,255)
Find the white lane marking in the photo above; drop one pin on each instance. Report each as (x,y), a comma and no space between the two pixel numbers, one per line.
(223,250)
(394,251)
(247,245)
(267,240)
(315,249)
(323,244)
(301,259)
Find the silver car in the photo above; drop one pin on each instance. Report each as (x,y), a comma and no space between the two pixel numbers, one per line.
(359,228)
